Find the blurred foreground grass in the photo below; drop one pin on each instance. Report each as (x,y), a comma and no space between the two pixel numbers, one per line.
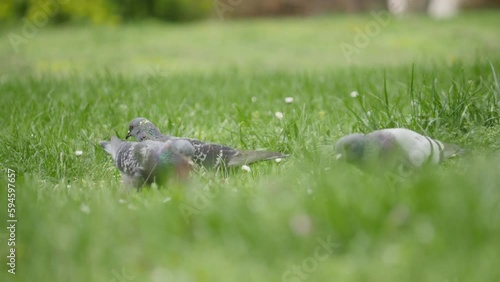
(76,224)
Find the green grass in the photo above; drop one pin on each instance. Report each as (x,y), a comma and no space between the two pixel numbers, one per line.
(270,44)
(223,82)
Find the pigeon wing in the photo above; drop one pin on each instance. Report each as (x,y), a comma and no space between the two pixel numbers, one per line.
(414,148)
(211,155)
(131,158)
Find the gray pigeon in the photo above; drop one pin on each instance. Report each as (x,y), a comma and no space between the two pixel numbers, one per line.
(151,161)
(396,149)
(205,154)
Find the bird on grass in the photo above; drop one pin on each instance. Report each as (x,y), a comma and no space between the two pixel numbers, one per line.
(396,149)
(206,154)
(142,163)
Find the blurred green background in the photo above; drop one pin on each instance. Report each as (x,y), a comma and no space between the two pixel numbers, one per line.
(220,71)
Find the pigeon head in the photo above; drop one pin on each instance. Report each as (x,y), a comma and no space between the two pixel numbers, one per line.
(142,129)
(351,148)
(183,147)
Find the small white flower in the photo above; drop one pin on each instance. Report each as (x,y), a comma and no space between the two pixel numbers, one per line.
(354,94)
(246,168)
(85,209)
(254,99)
(289,100)
(301,224)
(278,115)
(278,160)
(123,107)
(78,153)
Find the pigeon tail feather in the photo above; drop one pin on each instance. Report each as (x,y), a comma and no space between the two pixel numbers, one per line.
(111,146)
(451,150)
(246,157)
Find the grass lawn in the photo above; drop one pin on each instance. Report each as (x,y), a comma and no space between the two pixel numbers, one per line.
(305,219)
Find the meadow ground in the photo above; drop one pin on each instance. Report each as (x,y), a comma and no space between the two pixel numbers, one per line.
(305,219)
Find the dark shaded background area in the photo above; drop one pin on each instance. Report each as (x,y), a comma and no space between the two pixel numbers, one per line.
(117,11)
(287,7)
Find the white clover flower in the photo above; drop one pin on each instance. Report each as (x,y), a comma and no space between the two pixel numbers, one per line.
(278,160)
(278,115)
(289,100)
(301,224)
(78,153)
(354,94)
(123,107)
(246,168)
(85,209)
(254,99)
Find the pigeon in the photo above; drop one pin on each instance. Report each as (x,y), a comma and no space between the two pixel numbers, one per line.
(208,155)
(142,163)
(395,149)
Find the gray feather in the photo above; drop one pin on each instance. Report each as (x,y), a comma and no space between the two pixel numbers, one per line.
(205,154)
(396,149)
(149,161)
(251,156)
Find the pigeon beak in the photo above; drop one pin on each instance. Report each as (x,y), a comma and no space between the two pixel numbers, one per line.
(338,157)
(128,135)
